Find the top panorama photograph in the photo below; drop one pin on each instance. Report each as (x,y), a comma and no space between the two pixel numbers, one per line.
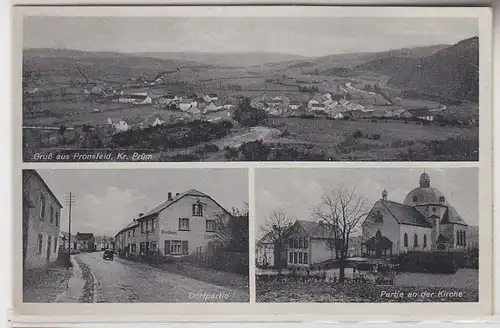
(211,89)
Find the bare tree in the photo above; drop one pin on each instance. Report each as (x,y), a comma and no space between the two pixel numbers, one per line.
(276,228)
(231,230)
(342,211)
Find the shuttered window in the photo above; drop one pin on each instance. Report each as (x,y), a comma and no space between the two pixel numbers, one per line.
(167,247)
(185,250)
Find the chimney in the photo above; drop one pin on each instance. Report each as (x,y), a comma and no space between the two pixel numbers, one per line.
(140,214)
(169,196)
(177,193)
(384,195)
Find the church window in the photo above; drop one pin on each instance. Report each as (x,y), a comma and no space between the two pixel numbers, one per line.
(300,242)
(378,235)
(425,241)
(465,239)
(405,240)
(458,237)
(415,198)
(290,242)
(415,240)
(296,243)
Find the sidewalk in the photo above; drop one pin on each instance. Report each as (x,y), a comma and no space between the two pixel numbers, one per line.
(45,285)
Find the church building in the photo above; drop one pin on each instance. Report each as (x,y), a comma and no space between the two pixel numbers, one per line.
(425,221)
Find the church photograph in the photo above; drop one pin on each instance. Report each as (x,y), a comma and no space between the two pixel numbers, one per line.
(366,235)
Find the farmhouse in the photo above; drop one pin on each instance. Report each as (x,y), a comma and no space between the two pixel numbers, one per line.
(41,222)
(182,225)
(85,241)
(308,243)
(425,221)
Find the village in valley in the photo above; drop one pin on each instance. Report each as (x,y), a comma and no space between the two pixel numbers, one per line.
(330,108)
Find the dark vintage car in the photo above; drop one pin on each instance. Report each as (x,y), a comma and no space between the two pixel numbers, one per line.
(108,255)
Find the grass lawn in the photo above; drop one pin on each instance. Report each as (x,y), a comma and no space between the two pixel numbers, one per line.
(219,278)
(328,292)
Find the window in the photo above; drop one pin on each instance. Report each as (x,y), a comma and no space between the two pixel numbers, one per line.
(295,257)
(425,240)
(295,243)
(290,243)
(300,257)
(290,257)
(176,247)
(42,207)
(300,242)
(40,243)
(197,209)
(153,246)
(133,248)
(129,234)
(441,199)
(57,219)
(434,209)
(55,245)
(153,225)
(465,239)
(210,226)
(415,198)
(142,227)
(405,240)
(183,224)
(415,240)
(141,247)
(51,215)
(133,232)
(147,226)
(305,242)
(458,237)
(305,258)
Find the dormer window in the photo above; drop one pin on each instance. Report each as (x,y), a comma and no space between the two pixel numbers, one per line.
(441,199)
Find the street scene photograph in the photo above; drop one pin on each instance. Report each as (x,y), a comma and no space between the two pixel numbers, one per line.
(364,235)
(135,235)
(254,88)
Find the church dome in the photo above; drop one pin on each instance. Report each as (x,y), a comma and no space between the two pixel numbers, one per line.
(425,194)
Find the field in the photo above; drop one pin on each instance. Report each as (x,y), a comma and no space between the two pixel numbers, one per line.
(326,135)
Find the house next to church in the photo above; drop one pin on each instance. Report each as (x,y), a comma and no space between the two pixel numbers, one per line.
(425,221)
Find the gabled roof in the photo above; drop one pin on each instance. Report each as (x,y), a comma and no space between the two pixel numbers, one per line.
(315,229)
(129,226)
(84,235)
(39,178)
(164,205)
(405,214)
(451,216)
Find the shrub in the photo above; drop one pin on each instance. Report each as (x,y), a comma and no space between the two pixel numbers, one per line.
(425,262)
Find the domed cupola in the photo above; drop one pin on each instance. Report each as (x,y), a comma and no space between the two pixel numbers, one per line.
(425,180)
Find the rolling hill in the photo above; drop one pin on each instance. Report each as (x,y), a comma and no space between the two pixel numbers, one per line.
(451,73)
(246,59)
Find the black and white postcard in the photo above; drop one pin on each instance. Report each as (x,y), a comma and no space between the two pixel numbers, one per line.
(221,85)
(135,235)
(185,163)
(364,235)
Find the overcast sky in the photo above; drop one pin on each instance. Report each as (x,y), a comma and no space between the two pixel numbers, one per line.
(107,200)
(297,191)
(311,36)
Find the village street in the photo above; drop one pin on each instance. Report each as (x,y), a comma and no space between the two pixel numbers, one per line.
(125,281)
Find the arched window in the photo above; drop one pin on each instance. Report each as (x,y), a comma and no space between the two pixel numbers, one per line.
(458,237)
(300,242)
(290,243)
(405,240)
(296,243)
(425,241)
(465,239)
(305,242)
(415,240)
(378,235)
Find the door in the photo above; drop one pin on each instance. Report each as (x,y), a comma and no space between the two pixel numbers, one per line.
(49,245)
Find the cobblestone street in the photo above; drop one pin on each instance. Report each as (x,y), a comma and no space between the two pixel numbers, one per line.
(121,281)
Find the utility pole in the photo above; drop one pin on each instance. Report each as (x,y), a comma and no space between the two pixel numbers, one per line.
(70,200)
